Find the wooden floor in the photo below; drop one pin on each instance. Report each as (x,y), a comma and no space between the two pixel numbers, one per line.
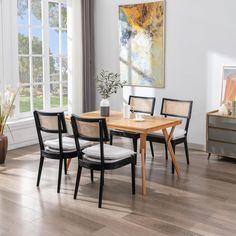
(202,202)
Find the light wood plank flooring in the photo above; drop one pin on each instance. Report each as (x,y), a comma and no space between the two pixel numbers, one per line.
(202,202)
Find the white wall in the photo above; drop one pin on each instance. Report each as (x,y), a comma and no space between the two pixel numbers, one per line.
(200,39)
(1,49)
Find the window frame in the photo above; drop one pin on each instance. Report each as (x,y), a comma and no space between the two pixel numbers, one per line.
(45,59)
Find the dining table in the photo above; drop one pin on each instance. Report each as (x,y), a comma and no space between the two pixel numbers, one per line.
(144,126)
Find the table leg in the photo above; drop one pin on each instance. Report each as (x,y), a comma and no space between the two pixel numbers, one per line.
(68,163)
(143,139)
(170,148)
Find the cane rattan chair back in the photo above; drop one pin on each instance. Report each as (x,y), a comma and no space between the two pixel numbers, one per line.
(177,108)
(142,104)
(90,129)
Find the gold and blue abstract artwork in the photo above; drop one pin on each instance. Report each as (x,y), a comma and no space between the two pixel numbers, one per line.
(141,29)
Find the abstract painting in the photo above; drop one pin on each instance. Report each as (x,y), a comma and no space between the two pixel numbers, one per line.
(229,83)
(142,47)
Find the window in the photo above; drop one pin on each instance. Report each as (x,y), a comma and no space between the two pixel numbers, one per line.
(42,55)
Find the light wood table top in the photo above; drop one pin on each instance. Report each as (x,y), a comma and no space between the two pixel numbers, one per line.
(150,123)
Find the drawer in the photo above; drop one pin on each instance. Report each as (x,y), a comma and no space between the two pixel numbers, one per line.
(223,149)
(222,135)
(222,122)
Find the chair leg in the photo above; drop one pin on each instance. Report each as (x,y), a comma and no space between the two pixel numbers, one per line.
(103,180)
(101,189)
(209,155)
(166,151)
(77,181)
(133,177)
(135,147)
(65,166)
(91,175)
(59,175)
(151,147)
(111,139)
(173,167)
(40,170)
(186,151)
(68,163)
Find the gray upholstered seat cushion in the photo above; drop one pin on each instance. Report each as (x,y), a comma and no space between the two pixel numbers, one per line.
(67,143)
(98,160)
(178,133)
(110,152)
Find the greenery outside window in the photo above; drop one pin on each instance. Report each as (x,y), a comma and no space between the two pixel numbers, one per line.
(42,55)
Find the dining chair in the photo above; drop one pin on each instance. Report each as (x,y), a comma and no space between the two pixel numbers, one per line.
(174,108)
(60,148)
(99,157)
(137,104)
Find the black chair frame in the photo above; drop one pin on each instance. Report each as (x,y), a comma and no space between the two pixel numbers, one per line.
(61,155)
(102,165)
(152,138)
(132,135)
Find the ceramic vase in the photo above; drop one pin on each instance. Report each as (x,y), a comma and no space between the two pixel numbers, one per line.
(3,148)
(104,107)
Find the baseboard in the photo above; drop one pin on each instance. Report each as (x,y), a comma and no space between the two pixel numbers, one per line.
(25,143)
(196,146)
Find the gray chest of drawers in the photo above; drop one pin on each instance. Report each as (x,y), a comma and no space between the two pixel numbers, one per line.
(221,135)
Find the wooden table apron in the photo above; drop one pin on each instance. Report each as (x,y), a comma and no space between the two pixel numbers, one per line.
(150,124)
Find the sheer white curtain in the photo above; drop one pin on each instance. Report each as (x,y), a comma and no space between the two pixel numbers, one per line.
(75,65)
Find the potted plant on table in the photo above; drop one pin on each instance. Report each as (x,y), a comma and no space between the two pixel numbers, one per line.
(107,84)
(6,110)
